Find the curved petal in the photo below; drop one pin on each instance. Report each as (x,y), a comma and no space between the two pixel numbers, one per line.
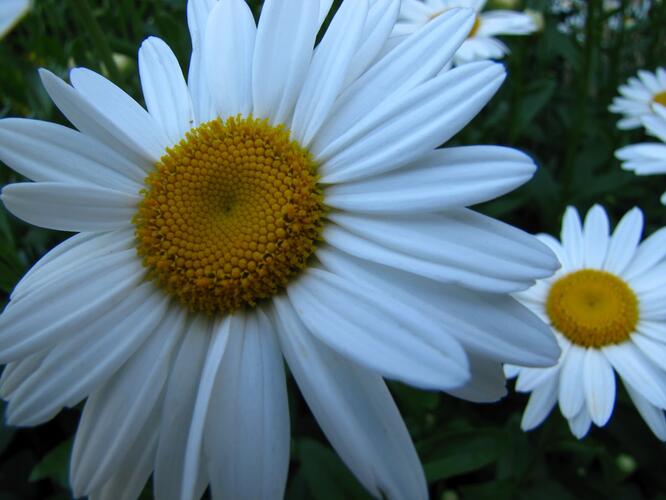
(116,412)
(247,428)
(624,241)
(541,403)
(282,55)
(442,179)
(197,78)
(595,237)
(164,89)
(648,254)
(354,409)
(599,386)
(459,246)
(410,124)
(228,51)
(43,151)
(572,238)
(487,383)
(328,69)
(580,424)
(652,415)
(384,335)
(70,207)
(571,394)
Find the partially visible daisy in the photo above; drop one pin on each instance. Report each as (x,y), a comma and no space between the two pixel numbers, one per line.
(648,158)
(640,97)
(607,308)
(10,13)
(284,202)
(481,43)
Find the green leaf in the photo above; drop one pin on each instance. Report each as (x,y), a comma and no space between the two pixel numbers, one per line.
(55,465)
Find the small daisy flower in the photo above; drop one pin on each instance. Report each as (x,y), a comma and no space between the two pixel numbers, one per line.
(606,308)
(640,97)
(481,42)
(648,158)
(10,13)
(284,202)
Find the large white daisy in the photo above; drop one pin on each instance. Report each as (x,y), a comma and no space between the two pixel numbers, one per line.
(648,158)
(283,202)
(481,43)
(606,306)
(640,97)
(10,13)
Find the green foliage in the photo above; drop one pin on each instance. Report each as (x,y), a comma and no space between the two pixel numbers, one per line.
(553,106)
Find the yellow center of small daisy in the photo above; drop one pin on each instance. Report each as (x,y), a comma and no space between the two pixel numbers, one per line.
(660,98)
(592,308)
(229,215)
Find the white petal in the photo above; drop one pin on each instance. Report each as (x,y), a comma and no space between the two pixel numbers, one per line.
(324,8)
(599,386)
(76,366)
(651,347)
(557,249)
(530,378)
(541,403)
(198,434)
(638,371)
(487,383)
(571,395)
(56,312)
(121,110)
(411,63)
(595,238)
(89,120)
(377,331)
(228,53)
(247,429)
(441,179)
(446,247)
(179,400)
(506,331)
(115,413)
(17,372)
(328,69)
(70,207)
(572,237)
(10,13)
(282,56)
(624,241)
(164,89)
(44,151)
(354,409)
(197,77)
(650,252)
(411,124)
(580,424)
(505,22)
(652,415)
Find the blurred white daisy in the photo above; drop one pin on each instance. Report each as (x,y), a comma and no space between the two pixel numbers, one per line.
(640,97)
(606,306)
(481,43)
(11,11)
(648,158)
(280,203)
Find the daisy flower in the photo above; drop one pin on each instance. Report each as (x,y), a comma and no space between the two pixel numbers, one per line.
(640,97)
(284,202)
(606,308)
(481,43)
(10,13)
(648,158)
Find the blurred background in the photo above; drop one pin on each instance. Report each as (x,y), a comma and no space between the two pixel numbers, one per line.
(553,106)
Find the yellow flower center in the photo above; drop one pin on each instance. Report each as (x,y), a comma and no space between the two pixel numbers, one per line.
(660,98)
(229,215)
(592,308)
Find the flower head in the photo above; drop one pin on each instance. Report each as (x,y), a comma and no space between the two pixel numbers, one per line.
(640,96)
(481,42)
(283,202)
(606,308)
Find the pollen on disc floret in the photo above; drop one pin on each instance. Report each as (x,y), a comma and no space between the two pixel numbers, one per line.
(592,308)
(229,215)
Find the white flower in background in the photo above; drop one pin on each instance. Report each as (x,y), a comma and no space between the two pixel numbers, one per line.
(481,43)
(11,11)
(648,158)
(607,308)
(640,97)
(280,203)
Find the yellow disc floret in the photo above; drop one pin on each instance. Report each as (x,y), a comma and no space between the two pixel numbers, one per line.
(229,215)
(660,98)
(592,308)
